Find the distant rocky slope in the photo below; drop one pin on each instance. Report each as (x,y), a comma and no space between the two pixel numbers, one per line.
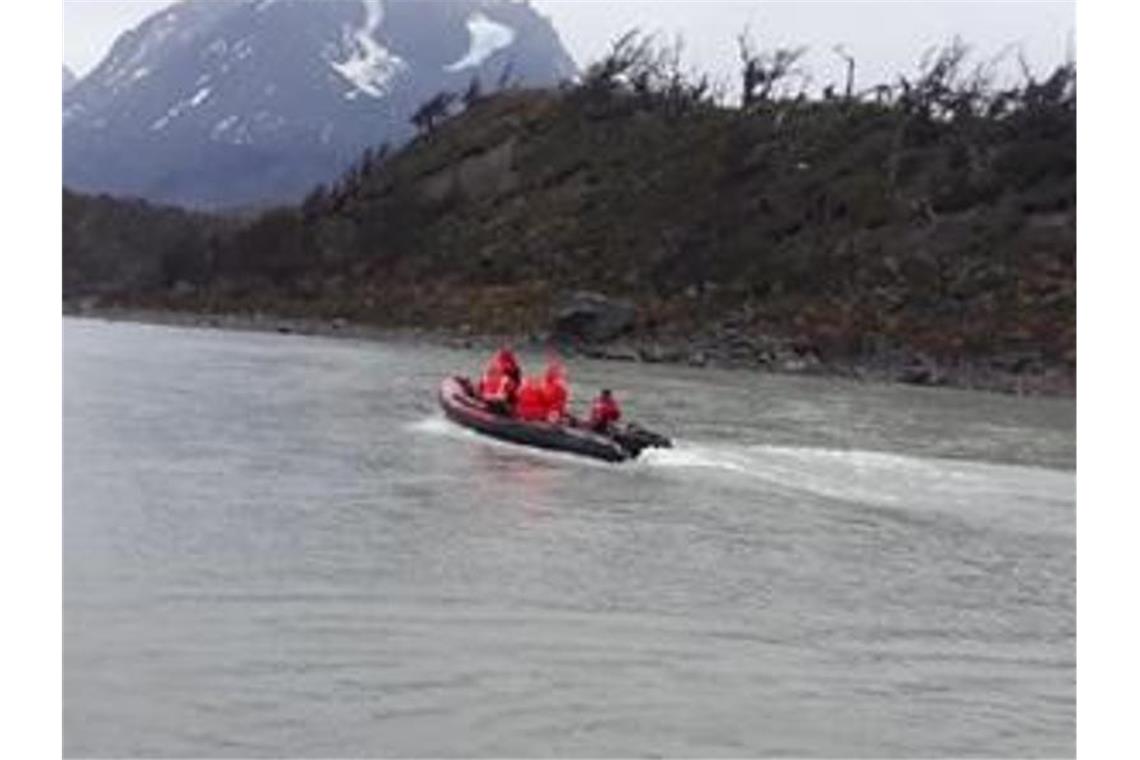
(926,232)
(216,104)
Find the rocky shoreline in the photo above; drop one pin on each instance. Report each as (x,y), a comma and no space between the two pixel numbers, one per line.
(723,349)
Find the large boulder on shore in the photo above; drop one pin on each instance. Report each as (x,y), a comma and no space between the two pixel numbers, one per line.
(592,317)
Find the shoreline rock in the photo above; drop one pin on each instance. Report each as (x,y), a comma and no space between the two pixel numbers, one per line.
(1009,375)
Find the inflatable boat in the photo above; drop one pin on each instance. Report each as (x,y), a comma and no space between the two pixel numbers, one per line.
(462,405)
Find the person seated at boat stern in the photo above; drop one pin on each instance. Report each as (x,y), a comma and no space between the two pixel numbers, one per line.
(499,385)
(604,412)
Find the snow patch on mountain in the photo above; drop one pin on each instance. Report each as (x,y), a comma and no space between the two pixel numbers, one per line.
(223,126)
(235,130)
(179,108)
(243,49)
(370,66)
(153,38)
(199,97)
(487,38)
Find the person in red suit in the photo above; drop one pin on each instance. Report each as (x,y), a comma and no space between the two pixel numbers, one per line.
(500,382)
(545,398)
(531,403)
(604,412)
(556,393)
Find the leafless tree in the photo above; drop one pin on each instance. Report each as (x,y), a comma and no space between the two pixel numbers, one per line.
(434,110)
(763,71)
(849,89)
(637,65)
(473,93)
(507,76)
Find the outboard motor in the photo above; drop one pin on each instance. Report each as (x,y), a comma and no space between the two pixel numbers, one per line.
(635,439)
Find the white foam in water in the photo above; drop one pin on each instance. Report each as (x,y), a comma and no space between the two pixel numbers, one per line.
(435,425)
(691,455)
(960,487)
(964,488)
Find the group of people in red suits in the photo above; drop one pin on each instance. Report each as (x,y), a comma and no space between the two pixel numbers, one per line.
(539,398)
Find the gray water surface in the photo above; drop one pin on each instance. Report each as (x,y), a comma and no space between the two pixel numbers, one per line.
(275,546)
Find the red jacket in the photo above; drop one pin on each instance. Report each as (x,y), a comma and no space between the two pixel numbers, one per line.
(501,377)
(555,396)
(531,403)
(496,386)
(604,412)
(509,364)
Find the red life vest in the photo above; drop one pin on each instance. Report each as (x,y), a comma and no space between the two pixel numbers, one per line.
(555,397)
(509,364)
(495,386)
(604,412)
(555,392)
(502,368)
(531,403)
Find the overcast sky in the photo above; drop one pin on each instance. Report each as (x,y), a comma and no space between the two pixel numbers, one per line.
(885,37)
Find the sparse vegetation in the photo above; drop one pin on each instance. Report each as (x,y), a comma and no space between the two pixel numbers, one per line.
(433,111)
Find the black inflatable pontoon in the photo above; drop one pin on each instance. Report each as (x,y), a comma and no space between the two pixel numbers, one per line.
(462,405)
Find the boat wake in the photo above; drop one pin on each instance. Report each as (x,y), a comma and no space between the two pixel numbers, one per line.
(437,424)
(964,488)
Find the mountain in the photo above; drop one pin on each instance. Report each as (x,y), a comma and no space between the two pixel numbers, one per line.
(215,104)
(69,78)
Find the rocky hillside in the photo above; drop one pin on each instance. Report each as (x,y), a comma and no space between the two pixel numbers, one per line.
(928,229)
(243,102)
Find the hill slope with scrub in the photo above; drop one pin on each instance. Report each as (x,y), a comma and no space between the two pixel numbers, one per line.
(927,226)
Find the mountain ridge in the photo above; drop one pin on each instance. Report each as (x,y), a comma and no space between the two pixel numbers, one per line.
(212,104)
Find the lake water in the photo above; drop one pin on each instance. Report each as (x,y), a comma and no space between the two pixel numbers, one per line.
(276,546)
